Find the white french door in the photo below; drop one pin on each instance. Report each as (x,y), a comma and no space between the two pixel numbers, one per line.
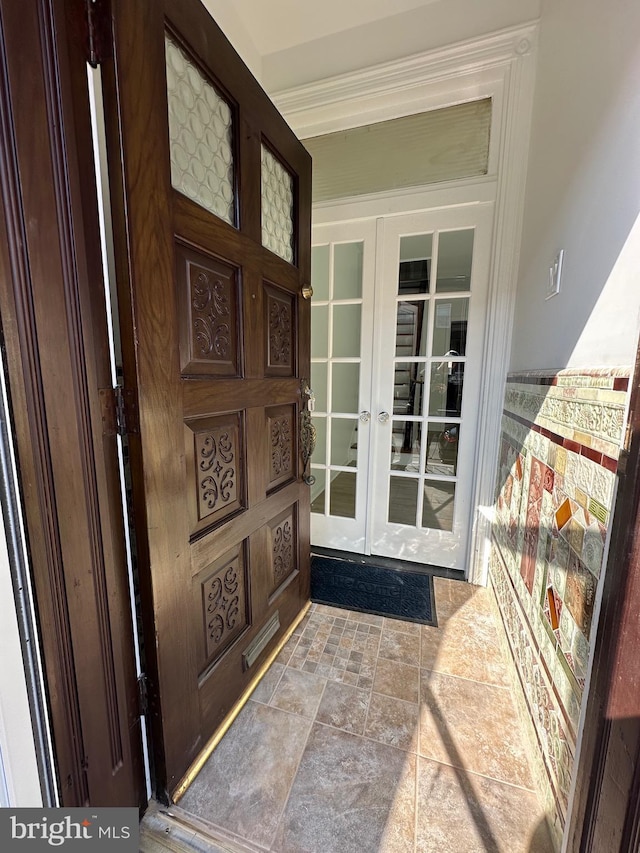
(398,383)
(343,279)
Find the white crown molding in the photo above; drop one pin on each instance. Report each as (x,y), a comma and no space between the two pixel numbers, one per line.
(341,101)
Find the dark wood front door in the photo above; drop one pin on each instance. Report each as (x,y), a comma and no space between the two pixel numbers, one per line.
(212,222)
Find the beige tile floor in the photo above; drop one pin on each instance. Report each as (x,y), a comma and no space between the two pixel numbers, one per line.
(372,735)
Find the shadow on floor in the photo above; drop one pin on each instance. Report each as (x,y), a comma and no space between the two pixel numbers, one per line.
(370,735)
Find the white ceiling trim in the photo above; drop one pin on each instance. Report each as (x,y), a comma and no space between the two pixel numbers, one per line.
(437,78)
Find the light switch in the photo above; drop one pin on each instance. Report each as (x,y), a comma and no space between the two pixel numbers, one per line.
(555,272)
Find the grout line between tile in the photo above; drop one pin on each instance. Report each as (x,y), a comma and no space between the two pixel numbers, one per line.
(295,775)
(480,775)
(462,678)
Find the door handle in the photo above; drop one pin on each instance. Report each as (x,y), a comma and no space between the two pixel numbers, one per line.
(365,417)
(383,417)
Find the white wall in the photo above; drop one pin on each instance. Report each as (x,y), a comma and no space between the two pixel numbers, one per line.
(436,24)
(583,190)
(19,781)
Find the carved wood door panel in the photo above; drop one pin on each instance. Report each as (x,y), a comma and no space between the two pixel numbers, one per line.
(212,222)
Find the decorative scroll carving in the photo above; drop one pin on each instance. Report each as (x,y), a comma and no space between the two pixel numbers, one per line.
(283,547)
(211,315)
(216,456)
(209,300)
(280,332)
(218,465)
(280,424)
(224,605)
(280,447)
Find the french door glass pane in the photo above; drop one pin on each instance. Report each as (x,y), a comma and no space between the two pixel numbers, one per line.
(200,136)
(442,449)
(455,250)
(347,271)
(437,506)
(415,264)
(345,388)
(320,272)
(319,456)
(346,331)
(405,445)
(344,441)
(411,329)
(403,500)
(450,326)
(408,388)
(319,385)
(319,331)
(318,490)
(342,494)
(445,393)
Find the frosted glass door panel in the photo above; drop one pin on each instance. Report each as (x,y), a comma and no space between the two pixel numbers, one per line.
(277,206)
(200,136)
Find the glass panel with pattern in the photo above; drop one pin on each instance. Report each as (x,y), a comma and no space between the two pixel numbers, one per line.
(336,318)
(200,136)
(277,207)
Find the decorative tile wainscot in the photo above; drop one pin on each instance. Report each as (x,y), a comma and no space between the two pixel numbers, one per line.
(561,437)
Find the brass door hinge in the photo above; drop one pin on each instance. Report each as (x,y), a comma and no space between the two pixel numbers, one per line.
(119,411)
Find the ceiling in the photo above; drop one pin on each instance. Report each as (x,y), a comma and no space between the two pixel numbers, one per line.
(287,43)
(275,25)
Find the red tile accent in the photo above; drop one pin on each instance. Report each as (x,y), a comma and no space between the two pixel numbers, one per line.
(571,445)
(621,383)
(609,463)
(590,453)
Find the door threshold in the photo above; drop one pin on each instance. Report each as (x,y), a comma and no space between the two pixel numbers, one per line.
(389,563)
(170,828)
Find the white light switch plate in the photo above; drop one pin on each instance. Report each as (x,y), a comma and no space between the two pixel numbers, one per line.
(555,272)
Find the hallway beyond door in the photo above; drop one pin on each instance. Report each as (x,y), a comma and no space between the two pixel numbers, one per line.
(371,735)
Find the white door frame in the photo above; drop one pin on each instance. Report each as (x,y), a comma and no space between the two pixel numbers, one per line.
(500,66)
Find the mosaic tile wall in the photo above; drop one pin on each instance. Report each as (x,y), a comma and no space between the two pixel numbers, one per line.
(561,437)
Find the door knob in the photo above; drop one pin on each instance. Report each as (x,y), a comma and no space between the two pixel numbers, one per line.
(383,417)
(365,417)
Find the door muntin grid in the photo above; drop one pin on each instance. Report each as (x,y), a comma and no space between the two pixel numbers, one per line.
(336,321)
(432,315)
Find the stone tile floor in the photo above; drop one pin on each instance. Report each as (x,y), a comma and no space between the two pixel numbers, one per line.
(373,735)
